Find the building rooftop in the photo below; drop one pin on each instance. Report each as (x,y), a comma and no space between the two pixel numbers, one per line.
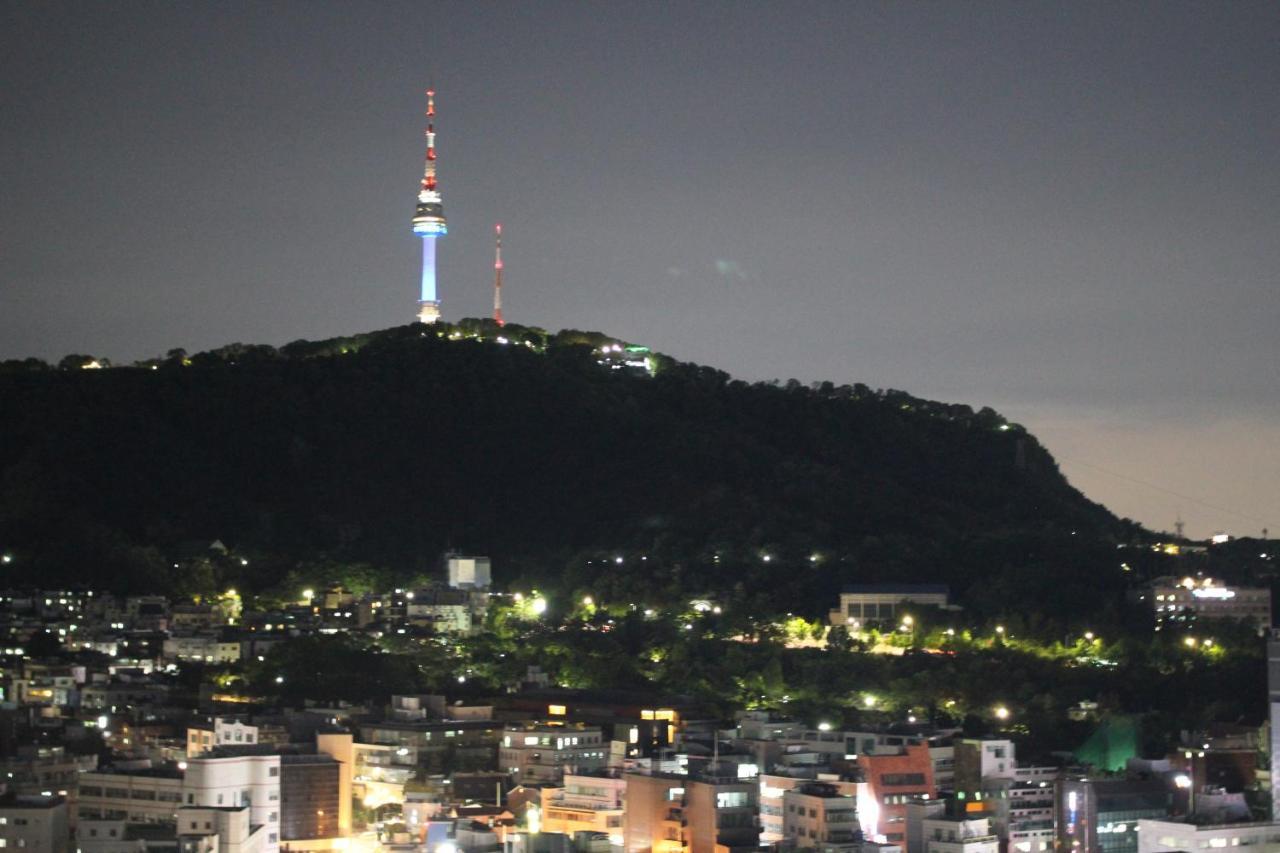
(31,801)
(165,771)
(898,588)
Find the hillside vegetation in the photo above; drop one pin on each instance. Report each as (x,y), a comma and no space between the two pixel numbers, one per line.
(385,450)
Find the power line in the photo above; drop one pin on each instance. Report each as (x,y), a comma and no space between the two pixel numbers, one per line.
(1162,489)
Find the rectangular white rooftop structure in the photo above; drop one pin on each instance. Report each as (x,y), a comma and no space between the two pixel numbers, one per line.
(468,572)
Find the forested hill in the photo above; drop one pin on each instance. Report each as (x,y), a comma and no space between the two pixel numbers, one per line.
(545,452)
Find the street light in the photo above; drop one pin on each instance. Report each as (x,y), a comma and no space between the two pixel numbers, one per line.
(1002,713)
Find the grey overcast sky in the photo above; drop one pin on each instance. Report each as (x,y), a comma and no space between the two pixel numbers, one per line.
(1069,211)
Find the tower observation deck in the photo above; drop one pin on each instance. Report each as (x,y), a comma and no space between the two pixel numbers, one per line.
(429,222)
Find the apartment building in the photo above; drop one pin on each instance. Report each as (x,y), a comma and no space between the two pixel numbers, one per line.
(541,754)
(34,824)
(586,803)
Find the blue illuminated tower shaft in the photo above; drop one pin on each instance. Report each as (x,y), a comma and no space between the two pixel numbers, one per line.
(429,223)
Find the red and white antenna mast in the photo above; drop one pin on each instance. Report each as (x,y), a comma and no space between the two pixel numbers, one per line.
(429,178)
(497,275)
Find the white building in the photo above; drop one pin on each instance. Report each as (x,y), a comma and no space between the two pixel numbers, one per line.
(205,648)
(1168,836)
(221,732)
(944,834)
(236,781)
(139,795)
(35,824)
(1183,601)
(469,572)
(215,830)
(1024,816)
(446,611)
(882,605)
(538,754)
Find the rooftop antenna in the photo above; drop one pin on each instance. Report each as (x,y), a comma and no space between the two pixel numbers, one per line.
(1178,526)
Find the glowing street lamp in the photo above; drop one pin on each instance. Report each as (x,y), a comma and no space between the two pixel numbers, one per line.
(1002,713)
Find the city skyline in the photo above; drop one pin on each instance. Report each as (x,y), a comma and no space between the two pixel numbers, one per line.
(1067,214)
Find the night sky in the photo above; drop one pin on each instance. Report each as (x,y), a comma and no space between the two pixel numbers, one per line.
(1068,211)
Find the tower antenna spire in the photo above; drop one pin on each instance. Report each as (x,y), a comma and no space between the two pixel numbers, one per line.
(429,222)
(497,275)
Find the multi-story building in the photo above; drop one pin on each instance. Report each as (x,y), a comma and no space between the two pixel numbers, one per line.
(120,695)
(1184,601)
(894,780)
(311,807)
(35,824)
(234,781)
(773,789)
(142,794)
(445,611)
(819,814)
(1101,815)
(468,572)
(35,770)
(544,753)
(219,830)
(1023,815)
(644,725)
(204,648)
(1273,697)
(439,746)
(586,803)
(670,813)
(1167,836)
(958,834)
(982,763)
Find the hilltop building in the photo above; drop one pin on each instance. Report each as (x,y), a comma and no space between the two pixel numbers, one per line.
(882,605)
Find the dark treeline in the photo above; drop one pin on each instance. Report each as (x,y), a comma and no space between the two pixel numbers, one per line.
(389,448)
